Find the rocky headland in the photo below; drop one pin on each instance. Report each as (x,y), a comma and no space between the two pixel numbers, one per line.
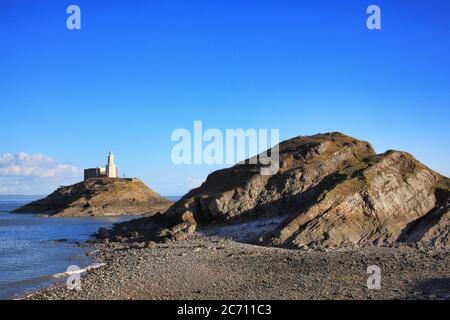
(332,191)
(100,197)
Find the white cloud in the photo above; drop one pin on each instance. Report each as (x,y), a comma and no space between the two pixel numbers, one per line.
(37,165)
(33,173)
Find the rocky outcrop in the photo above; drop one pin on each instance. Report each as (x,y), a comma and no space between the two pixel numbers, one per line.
(331,191)
(100,197)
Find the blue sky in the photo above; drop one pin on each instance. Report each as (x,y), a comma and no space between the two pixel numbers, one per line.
(137,70)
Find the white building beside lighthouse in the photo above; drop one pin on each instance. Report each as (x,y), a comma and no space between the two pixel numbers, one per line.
(109,171)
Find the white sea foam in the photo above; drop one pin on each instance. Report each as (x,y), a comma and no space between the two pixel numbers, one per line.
(78,271)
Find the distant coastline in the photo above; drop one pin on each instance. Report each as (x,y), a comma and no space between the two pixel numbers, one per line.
(22,196)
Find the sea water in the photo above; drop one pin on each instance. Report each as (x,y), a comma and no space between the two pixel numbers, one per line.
(34,248)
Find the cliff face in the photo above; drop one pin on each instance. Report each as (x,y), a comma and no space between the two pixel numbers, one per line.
(331,191)
(100,197)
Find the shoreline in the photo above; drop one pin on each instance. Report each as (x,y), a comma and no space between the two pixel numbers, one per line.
(45,282)
(37,248)
(209,267)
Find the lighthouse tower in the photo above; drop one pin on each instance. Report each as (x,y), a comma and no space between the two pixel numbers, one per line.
(111,169)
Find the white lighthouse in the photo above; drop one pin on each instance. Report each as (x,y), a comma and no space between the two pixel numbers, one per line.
(111,169)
